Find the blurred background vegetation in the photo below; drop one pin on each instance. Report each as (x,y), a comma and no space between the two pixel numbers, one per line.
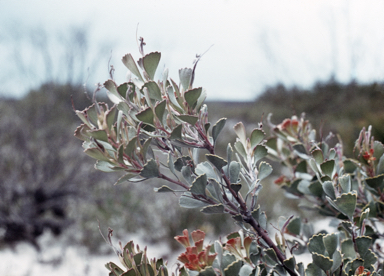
(49,185)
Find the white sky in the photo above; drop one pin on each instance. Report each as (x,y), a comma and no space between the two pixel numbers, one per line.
(256,43)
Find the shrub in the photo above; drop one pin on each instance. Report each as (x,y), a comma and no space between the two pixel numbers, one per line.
(160,130)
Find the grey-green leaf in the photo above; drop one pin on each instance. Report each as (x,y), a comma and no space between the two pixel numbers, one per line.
(217,128)
(217,161)
(130,63)
(328,168)
(150,63)
(199,185)
(163,189)
(188,202)
(325,263)
(330,243)
(316,244)
(146,116)
(185,76)
(191,96)
(150,169)
(346,204)
(234,171)
(329,189)
(257,137)
(264,170)
(259,152)
(188,118)
(153,90)
(213,209)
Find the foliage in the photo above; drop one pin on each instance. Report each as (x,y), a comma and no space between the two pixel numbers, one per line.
(160,130)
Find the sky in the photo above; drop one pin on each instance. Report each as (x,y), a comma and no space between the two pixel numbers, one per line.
(251,44)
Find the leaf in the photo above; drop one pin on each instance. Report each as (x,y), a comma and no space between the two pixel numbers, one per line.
(346,204)
(191,96)
(376,182)
(241,133)
(347,249)
(233,268)
(176,132)
(257,137)
(105,166)
(316,244)
(363,243)
(364,215)
(337,261)
(173,100)
(199,185)
(217,161)
(294,226)
(290,263)
(163,189)
(236,187)
(325,263)
(159,110)
(330,243)
(187,202)
(345,183)
(259,152)
(318,156)
(98,134)
(313,270)
(146,116)
(329,189)
(213,209)
(234,171)
(150,169)
(240,149)
(113,95)
(188,118)
(328,168)
(150,63)
(208,271)
(123,89)
(96,153)
(185,75)
(245,270)
(370,259)
(264,170)
(217,128)
(153,90)
(127,177)
(130,63)
(300,150)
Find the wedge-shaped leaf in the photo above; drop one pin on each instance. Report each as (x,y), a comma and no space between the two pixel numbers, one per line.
(328,168)
(128,177)
(114,269)
(329,189)
(370,259)
(345,183)
(330,243)
(346,204)
(257,136)
(240,149)
(217,161)
(316,244)
(259,152)
(105,166)
(190,119)
(314,270)
(176,132)
(290,263)
(241,133)
(185,75)
(337,261)
(246,270)
(347,249)
(217,128)
(233,268)
(186,171)
(300,150)
(363,243)
(96,154)
(163,189)
(318,156)
(98,134)
(376,182)
(173,100)
(234,171)
(213,209)
(160,109)
(378,149)
(150,63)
(130,63)
(150,169)
(113,94)
(186,201)
(264,170)
(380,165)
(146,116)
(199,185)
(206,168)
(111,116)
(312,163)
(191,96)
(123,89)
(325,263)
(294,226)
(316,189)
(153,90)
